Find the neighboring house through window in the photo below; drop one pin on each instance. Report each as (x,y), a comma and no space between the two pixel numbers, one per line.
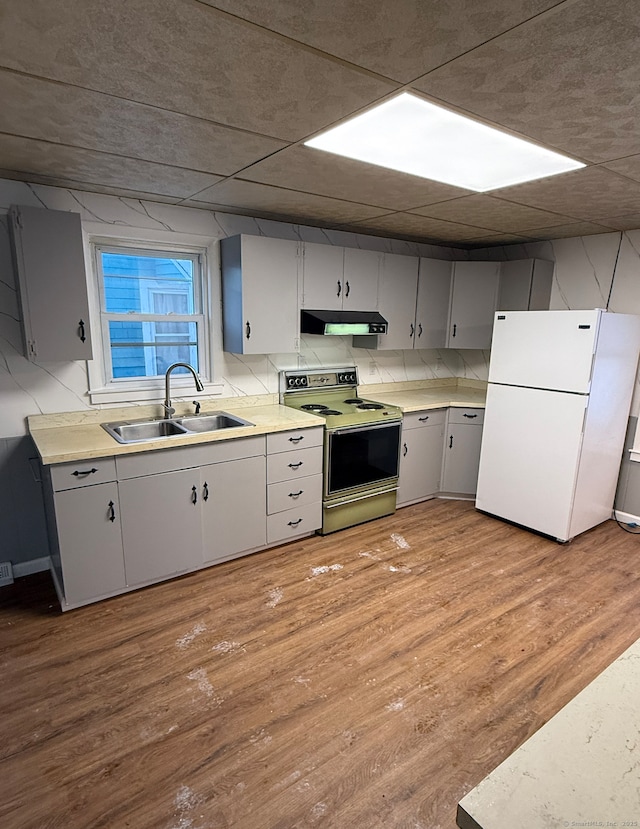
(152,314)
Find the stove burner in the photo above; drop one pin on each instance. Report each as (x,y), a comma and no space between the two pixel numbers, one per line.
(354,400)
(370,406)
(314,407)
(326,411)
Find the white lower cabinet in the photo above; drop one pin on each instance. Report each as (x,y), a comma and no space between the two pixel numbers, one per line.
(233,507)
(421,456)
(89,542)
(463,437)
(294,483)
(161,525)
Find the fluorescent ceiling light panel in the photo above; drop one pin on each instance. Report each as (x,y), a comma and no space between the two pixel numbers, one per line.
(417,137)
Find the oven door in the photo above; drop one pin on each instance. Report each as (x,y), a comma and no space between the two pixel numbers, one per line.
(361,457)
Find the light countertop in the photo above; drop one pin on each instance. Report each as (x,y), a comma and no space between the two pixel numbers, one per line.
(579,769)
(76,436)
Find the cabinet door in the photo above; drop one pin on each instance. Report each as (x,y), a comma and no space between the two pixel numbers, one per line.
(420,463)
(515,285)
(461,458)
(473,304)
(432,307)
(397,300)
(161,525)
(52,283)
(260,295)
(361,273)
(322,276)
(90,540)
(234,512)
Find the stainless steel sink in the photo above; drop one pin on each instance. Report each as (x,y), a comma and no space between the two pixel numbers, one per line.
(211,422)
(139,431)
(143,430)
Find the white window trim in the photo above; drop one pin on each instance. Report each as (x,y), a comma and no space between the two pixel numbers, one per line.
(152,389)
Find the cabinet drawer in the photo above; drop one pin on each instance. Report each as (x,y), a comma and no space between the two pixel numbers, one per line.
(294,494)
(287,466)
(83,473)
(187,457)
(296,439)
(292,522)
(457,415)
(429,417)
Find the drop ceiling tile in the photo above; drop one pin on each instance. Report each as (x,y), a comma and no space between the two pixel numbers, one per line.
(413,226)
(491,213)
(315,171)
(568,78)
(63,114)
(588,194)
(629,167)
(72,167)
(188,58)
(628,222)
(569,231)
(400,41)
(263,199)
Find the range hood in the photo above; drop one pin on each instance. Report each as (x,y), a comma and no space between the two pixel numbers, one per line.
(342,322)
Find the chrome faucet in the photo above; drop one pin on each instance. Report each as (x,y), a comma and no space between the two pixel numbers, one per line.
(168,408)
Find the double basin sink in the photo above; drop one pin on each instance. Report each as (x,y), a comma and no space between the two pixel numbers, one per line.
(139,431)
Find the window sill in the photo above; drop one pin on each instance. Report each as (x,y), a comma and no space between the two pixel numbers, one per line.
(133,393)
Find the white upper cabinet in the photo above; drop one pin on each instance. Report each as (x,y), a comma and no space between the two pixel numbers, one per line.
(322,276)
(525,285)
(474,297)
(260,295)
(397,300)
(361,275)
(52,283)
(432,306)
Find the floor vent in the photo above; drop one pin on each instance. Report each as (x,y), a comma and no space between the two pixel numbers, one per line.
(6,573)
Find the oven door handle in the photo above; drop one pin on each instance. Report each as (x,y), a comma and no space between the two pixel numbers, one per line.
(353,500)
(365,427)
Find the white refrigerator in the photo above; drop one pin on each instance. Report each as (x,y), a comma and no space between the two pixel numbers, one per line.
(558,400)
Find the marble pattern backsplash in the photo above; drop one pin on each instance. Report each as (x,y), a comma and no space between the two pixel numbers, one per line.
(41,388)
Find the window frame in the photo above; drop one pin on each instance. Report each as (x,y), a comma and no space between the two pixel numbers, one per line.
(103,388)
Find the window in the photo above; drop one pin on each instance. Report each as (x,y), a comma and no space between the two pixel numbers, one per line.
(151,308)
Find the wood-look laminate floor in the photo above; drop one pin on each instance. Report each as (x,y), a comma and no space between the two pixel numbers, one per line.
(366,679)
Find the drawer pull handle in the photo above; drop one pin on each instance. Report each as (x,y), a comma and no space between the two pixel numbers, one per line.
(419,329)
(405,449)
(296,494)
(112,512)
(470,416)
(348,288)
(81,331)
(339,288)
(248,329)
(82,472)
(295,465)
(296,440)
(451,442)
(422,419)
(205,492)
(294,523)
(455,328)
(411,329)
(194,495)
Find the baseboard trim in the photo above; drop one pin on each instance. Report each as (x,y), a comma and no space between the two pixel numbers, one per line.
(626,517)
(26,568)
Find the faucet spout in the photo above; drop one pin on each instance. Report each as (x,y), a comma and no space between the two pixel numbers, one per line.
(168,408)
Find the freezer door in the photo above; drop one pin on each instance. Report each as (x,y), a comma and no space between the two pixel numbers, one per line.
(544,349)
(529,458)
